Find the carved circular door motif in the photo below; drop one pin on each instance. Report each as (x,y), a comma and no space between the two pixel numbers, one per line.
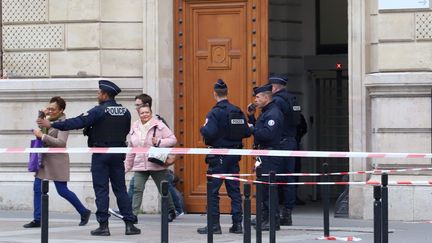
(219,54)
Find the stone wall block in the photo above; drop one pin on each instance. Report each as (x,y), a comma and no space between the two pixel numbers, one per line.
(74,10)
(121,35)
(125,10)
(122,63)
(396,27)
(405,57)
(40,37)
(423,26)
(75,63)
(25,64)
(83,36)
(19,11)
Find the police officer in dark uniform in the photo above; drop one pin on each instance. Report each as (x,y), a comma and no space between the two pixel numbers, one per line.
(291,111)
(267,131)
(106,125)
(225,127)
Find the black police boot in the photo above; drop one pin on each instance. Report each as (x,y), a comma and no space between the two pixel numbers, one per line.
(103,230)
(216,228)
(33,224)
(236,228)
(131,229)
(264,218)
(85,218)
(265,226)
(286,218)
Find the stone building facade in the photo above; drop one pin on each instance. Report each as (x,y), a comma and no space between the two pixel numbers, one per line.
(62,47)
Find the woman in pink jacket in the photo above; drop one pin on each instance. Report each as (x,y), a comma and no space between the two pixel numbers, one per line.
(146,132)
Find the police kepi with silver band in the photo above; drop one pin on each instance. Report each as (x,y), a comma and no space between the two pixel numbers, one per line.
(225,127)
(106,125)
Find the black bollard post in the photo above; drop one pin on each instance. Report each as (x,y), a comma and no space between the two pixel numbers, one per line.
(272,206)
(326,202)
(384,207)
(259,188)
(247,213)
(164,213)
(44,211)
(377,214)
(209,213)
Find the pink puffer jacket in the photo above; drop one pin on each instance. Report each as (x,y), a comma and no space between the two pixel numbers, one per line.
(139,162)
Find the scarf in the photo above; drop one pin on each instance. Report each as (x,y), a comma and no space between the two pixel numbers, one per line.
(144,129)
(52,119)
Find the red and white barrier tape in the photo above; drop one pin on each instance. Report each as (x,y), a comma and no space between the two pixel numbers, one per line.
(338,173)
(349,238)
(390,183)
(203,151)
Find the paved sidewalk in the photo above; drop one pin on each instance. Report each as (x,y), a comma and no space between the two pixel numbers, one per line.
(64,228)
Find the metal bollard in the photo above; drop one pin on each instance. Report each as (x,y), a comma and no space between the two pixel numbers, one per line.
(259,188)
(326,202)
(384,207)
(247,213)
(44,211)
(377,214)
(164,213)
(209,213)
(272,204)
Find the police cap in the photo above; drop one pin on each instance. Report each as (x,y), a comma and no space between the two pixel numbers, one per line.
(263,88)
(278,80)
(109,87)
(220,84)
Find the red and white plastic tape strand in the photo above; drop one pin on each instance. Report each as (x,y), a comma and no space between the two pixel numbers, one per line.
(349,238)
(390,183)
(338,173)
(204,151)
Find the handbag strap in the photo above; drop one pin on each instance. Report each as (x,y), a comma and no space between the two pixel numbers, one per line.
(154,131)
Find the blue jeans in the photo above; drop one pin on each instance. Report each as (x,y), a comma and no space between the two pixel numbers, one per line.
(62,190)
(178,202)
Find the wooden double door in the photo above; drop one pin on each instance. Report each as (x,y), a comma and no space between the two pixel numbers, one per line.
(214,39)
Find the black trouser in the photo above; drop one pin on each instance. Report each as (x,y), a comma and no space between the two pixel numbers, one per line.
(287,193)
(269,163)
(226,165)
(106,168)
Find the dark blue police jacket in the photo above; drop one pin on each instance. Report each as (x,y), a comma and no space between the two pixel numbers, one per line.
(95,115)
(214,131)
(282,100)
(268,127)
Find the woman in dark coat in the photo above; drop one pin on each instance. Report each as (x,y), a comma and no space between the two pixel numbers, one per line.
(55,166)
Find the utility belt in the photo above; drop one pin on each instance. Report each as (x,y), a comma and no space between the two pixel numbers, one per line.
(238,146)
(264,147)
(109,144)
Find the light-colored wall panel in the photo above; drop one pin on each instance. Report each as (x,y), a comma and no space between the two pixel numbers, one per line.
(405,56)
(121,63)
(423,26)
(19,11)
(400,112)
(121,35)
(74,10)
(26,64)
(74,63)
(396,27)
(125,10)
(40,37)
(83,36)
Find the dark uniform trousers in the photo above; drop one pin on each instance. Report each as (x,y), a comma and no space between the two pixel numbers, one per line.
(229,165)
(268,164)
(287,192)
(105,168)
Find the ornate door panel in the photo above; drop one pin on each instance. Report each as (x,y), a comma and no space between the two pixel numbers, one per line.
(214,39)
